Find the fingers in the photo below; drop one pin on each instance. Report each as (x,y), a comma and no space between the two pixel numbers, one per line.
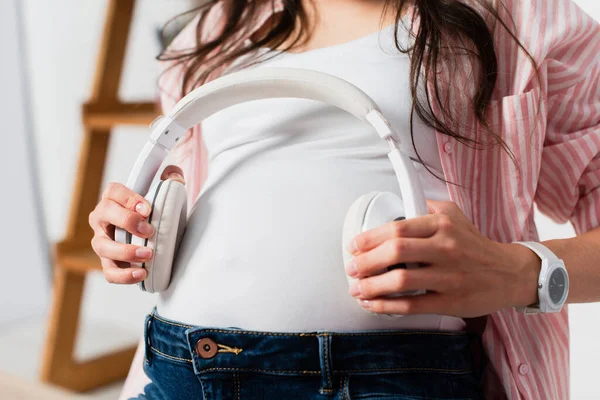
(398,281)
(121,207)
(121,273)
(441,207)
(108,248)
(392,252)
(109,212)
(420,227)
(450,215)
(430,303)
(173,172)
(127,198)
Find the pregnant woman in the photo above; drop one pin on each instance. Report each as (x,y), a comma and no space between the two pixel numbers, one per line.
(498,105)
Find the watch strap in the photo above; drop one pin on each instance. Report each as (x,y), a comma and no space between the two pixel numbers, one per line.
(542,251)
(529,310)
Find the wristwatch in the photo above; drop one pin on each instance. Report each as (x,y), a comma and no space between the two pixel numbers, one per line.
(553,281)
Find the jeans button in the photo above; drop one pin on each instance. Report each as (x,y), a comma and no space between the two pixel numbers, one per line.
(206,348)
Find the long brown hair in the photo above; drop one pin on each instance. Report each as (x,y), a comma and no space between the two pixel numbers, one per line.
(441,29)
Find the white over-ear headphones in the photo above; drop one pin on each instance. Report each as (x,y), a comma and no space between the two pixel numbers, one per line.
(169,198)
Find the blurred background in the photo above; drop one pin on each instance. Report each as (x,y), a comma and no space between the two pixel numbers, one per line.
(49,56)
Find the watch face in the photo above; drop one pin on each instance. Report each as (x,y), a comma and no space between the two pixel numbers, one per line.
(557,285)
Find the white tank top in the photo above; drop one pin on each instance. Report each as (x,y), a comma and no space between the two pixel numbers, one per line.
(263,248)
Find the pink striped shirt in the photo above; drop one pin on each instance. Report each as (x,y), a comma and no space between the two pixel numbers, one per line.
(557,153)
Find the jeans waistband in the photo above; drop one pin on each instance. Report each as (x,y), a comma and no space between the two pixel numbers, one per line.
(212,349)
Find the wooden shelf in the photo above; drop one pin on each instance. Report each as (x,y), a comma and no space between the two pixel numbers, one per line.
(74,257)
(95,372)
(14,387)
(105,116)
(79,260)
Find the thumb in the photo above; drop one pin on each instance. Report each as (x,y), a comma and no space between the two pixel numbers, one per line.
(449,208)
(435,206)
(173,172)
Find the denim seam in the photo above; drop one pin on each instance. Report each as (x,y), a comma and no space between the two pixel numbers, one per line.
(320,334)
(335,372)
(327,362)
(170,356)
(204,396)
(234,389)
(347,390)
(308,372)
(172,323)
(401,369)
(344,388)
(412,397)
(258,370)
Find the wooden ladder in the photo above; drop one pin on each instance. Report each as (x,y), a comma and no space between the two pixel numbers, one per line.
(73,257)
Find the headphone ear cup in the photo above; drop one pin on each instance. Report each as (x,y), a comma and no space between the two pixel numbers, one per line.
(367,212)
(168,218)
(353,225)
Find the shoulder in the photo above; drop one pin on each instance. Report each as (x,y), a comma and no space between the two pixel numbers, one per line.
(558,35)
(206,26)
(171,69)
(172,62)
(547,27)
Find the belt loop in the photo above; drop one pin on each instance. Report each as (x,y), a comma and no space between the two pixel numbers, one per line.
(326,365)
(475,328)
(478,355)
(147,345)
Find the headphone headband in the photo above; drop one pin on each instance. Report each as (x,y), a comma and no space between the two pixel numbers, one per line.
(264,83)
(268,83)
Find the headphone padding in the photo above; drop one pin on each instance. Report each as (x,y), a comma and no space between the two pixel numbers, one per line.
(353,224)
(168,218)
(367,212)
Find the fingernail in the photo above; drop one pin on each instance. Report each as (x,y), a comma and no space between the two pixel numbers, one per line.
(138,274)
(176,177)
(145,228)
(143,209)
(352,247)
(351,269)
(365,304)
(143,253)
(355,290)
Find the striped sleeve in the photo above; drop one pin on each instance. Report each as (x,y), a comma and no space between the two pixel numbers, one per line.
(569,181)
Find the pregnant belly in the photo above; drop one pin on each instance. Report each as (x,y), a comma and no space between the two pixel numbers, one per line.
(262,251)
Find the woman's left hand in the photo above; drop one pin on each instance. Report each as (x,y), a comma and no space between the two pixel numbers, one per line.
(467,275)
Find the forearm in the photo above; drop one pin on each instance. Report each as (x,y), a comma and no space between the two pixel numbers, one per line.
(581,256)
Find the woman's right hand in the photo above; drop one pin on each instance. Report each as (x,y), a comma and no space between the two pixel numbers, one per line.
(123,208)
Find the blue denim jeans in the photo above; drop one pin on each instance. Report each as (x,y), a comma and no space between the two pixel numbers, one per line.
(194,362)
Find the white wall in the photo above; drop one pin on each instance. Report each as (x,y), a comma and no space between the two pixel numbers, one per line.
(62,38)
(584,318)
(25,262)
(592,7)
